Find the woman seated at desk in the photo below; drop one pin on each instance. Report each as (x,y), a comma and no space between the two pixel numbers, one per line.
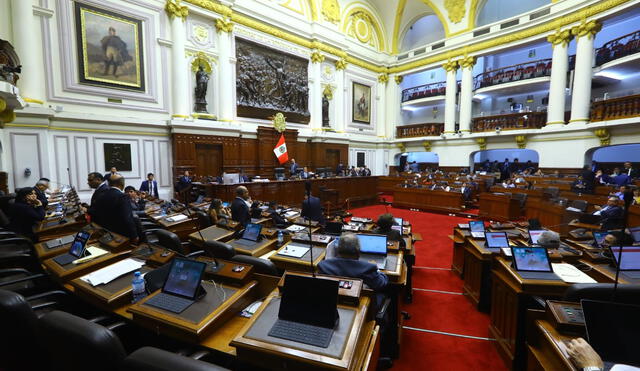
(385,223)
(25,213)
(217,211)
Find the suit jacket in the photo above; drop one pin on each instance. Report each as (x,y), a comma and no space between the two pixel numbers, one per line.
(633,173)
(312,209)
(466,193)
(276,218)
(339,169)
(23,217)
(184,182)
(98,192)
(240,211)
(366,271)
(611,217)
(392,235)
(144,187)
(294,168)
(41,196)
(112,210)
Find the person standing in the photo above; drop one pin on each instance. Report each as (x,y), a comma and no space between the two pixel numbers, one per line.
(150,186)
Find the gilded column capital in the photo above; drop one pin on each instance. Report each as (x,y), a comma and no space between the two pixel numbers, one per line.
(521,141)
(174,9)
(383,78)
(402,147)
(604,135)
(560,37)
(467,62)
(427,145)
(482,142)
(341,64)
(398,79)
(317,57)
(224,25)
(450,66)
(588,29)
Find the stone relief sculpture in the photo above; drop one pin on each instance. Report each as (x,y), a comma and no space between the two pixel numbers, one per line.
(269,81)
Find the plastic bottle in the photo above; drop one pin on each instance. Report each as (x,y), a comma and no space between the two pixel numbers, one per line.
(280,238)
(138,287)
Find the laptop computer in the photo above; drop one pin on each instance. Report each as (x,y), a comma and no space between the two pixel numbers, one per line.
(534,234)
(635,234)
(308,311)
(78,249)
(373,249)
(199,199)
(477,228)
(532,263)
(612,330)
(57,242)
(181,288)
(629,261)
(496,240)
(250,235)
(333,228)
(598,238)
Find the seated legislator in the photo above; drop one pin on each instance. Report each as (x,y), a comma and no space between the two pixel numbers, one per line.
(150,186)
(137,202)
(41,187)
(311,206)
(384,224)
(113,209)
(346,264)
(184,181)
(240,206)
(610,214)
(549,240)
(276,218)
(217,211)
(25,213)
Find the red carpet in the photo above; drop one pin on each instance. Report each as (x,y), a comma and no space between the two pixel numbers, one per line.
(439,305)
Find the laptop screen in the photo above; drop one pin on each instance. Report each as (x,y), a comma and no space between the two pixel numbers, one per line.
(184,278)
(373,244)
(252,232)
(599,237)
(496,240)
(534,234)
(635,233)
(398,221)
(313,301)
(612,330)
(532,259)
(334,227)
(476,226)
(79,243)
(630,260)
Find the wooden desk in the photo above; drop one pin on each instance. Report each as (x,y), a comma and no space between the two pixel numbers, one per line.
(543,348)
(425,199)
(47,230)
(387,184)
(554,217)
(213,233)
(259,249)
(302,264)
(604,272)
(459,238)
(634,215)
(477,272)
(71,271)
(499,207)
(43,253)
(183,227)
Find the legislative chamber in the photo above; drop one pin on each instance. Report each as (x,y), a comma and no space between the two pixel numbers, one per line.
(348,185)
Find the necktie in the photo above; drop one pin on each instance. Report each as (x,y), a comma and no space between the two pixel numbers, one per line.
(151,188)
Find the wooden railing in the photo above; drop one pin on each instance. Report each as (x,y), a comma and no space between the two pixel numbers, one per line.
(419,130)
(615,108)
(618,48)
(424,91)
(512,121)
(516,72)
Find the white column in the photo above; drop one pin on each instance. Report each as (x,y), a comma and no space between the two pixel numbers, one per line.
(581,100)
(560,66)
(179,88)
(315,91)
(450,98)
(393,104)
(339,123)
(28,46)
(381,106)
(466,93)
(227,85)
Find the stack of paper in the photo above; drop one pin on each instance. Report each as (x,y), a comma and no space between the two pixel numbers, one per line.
(571,274)
(110,273)
(177,218)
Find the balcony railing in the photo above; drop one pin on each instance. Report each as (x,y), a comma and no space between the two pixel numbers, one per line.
(419,130)
(518,72)
(512,121)
(424,91)
(616,108)
(618,48)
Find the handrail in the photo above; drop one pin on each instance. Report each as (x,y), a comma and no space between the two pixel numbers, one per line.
(615,108)
(516,72)
(511,121)
(419,130)
(618,48)
(424,91)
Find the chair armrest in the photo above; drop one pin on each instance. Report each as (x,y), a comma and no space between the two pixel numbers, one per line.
(22,279)
(382,311)
(16,241)
(6,234)
(199,354)
(538,302)
(116,325)
(195,254)
(46,294)
(44,305)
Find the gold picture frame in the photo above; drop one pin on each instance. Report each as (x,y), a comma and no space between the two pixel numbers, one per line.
(361,100)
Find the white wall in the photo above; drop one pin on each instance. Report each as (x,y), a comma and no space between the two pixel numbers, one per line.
(495,10)
(424,31)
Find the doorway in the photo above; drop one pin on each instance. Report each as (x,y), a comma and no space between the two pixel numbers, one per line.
(208,159)
(333,158)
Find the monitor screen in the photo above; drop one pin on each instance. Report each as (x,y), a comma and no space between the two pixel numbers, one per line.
(599,237)
(630,260)
(184,277)
(372,243)
(635,233)
(225,204)
(79,242)
(309,300)
(476,226)
(534,234)
(252,232)
(611,329)
(496,240)
(398,221)
(531,259)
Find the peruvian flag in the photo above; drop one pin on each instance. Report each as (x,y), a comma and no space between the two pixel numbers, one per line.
(281,150)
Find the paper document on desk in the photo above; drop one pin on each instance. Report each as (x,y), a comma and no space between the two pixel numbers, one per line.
(571,274)
(294,250)
(573,209)
(291,214)
(94,252)
(111,272)
(295,228)
(176,218)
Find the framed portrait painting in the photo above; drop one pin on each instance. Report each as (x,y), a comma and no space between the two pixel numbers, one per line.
(361,111)
(117,155)
(110,52)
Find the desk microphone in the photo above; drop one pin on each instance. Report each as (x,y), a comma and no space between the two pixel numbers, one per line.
(216,266)
(307,188)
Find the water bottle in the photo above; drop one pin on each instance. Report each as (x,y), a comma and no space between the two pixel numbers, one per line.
(280,238)
(59,208)
(138,287)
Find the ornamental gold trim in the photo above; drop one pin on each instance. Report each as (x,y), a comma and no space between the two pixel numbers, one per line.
(588,29)
(450,66)
(341,64)
(560,37)
(174,9)
(317,57)
(383,78)
(467,62)
(456,10)
(224,25)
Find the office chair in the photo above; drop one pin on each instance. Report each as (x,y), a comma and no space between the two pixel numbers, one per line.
(219,250)
(627,294)
(170,241)
(580,205)
(154,359)
(154,280)
(261,266)
(74,343)
(204,220)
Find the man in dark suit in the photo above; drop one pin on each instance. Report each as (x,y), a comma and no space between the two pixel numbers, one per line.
(384,226)
(184,181)
(294,167)
(630,171)
(311,206)
(610,214)
(240,206)
(112,210)
(97,182)
(137,203)
(41,186)
(150,186)
(111,172)
(339,169)
(276,218)
(466,191)
(588,178)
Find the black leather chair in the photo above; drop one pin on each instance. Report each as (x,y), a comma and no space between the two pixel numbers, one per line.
(19,348)
(580,205)
(154,359)
(204,220)
(627,294)
(74,343)
(154,280)
(171,241)
(220,250)
(261,266)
